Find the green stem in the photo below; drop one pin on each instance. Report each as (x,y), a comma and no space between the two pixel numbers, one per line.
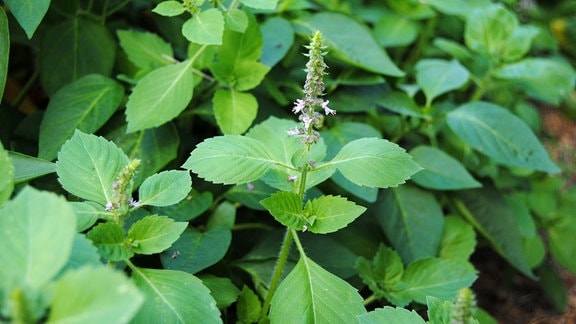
(370,300)
(282,258)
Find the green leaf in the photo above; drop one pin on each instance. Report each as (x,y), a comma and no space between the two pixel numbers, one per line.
(234,111)
(544,79)
(85,104)
(488,30)
(230,159)
(4,50)
(277,38)
(145,50)
(401,103)
(193,206)
(173,297)
(84,253)
(250,194)
(205,28)
(384,274)
(160,96)
(109,239)
(154,234)
(28,13)
(439,311)
(458,241)
(395,30)
(165,188)
(33,226)
(169,8)
(499,134)
(260,4)
(461,8)
(6,175)
(437,77)
(73,48)
(519,42)
(412,220)
(27,167)
(349,41)
(310,294)
(94,295)
(155,147)
(330,213)
(286,207)
(195,251)
(559,235)
(87,213)
(488,212)
(441,171)
(391,315)
(224,215)
(441,278)
(88,165)
(374,162)
(222,289)
(249,306)
(236,20)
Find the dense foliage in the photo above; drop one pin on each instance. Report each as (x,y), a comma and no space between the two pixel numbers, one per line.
(182,161)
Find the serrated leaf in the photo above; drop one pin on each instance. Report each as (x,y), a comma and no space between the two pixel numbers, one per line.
(441,171)
(260,4)
(349,41)
(437,77)
(160,96)
(94,295)
(109,239)
(330,213)
(249,306)
(88,165)
(173,297)
(6,175)
(32,226)
(169,8)
(206,27)
(391,315)
(4,51)
(310,294)
(27,167)
(29,14)
(499,134)
(234,111)
(154,234)
(488,212)
(195,250)
(277,39)
(87,213)
(236,20)
(229,159)
(85,104)
(165,188)
(374,162)
(458,241)
(286,207)
(145,50)
(73,48)
(441,278)
(412,220)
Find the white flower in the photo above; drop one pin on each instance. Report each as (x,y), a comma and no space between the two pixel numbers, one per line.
(298,106)
(292,132)
(109,206)
(292,178)
(327,110)
(306,120)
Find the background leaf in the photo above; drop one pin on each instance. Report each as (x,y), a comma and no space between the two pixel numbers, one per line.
(390,315)
(234,111)
(88,165)
(87,213)
(169,8)
(499,134)
(85,104)
(189,208)
(165,188)
(174,297)
(28,13)
(145,50)
(260,4)
(488,30)
(374,162)
(4,51)
(458,241)
(205,27)
(28,167)
(310,294)
(160,96)
(441,171)
(395,30)
(6,175)
(277,38)
(437,77)
(195,250)
(412,220)
(94,295)
(154,234)
(349,41)
(32,226)
(74,48)
(236,20)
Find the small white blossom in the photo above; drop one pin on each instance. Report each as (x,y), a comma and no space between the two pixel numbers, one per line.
(306,120)
(292,132)
(292,178)
(108,206)
(327,110)
(133,203)
(298,106)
